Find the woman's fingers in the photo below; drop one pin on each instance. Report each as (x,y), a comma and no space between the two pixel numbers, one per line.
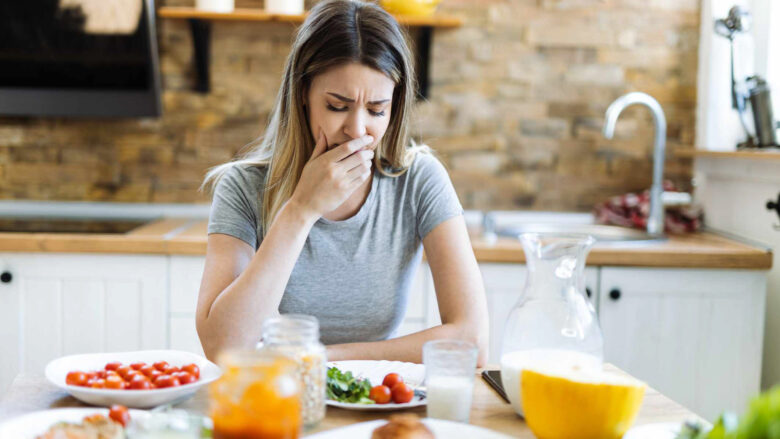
(357,159)
(346,149)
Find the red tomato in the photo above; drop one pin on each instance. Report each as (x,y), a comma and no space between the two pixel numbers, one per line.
(391,379)
(163,381)
(123,370)
(153,376)
(132,374)
(114,365)
(98,383)
(147,370)
(185,378)
(115,382)
(402,393)
(76,378)
(380,394)
(101,374)
(170,370)
(140,382)
(91,375)
(161,365)
(137,366)
(119,414)
(192,369)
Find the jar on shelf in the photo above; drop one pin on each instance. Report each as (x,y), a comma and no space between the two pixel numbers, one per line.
(297,336)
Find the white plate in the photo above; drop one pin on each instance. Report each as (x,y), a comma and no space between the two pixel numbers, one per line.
(440,428)
(413,374)
(57,370)
(33,424)
(660,430)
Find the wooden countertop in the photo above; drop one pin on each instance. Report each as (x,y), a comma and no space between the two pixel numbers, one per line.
(188,237)
(31,392)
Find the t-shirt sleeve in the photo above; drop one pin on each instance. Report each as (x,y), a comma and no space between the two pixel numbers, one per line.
(436,197)
(234,206)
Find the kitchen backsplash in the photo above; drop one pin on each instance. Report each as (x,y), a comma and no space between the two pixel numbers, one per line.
(516,106)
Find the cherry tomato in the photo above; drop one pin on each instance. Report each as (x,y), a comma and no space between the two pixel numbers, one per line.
(192,369)
(115,382)
(132,374)
(137,366)
(402,393)
(101,374)
(114,365)
(140,382)
(170,370)
(98,383)
(391,379)
(147,370)
(185,377)
(76,378)
(380,394)
(123,370)
(161,365)
(164,381)
(91,375)
(119,414)
(112,373)
(153,376)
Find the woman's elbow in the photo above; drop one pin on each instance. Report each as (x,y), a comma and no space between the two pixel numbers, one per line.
(477,333)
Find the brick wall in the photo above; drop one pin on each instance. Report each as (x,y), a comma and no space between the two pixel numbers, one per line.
(517,103)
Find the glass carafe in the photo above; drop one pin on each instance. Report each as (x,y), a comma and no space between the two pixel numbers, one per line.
(553,325)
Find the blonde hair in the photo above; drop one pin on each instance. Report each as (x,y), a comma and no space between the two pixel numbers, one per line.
(335,32)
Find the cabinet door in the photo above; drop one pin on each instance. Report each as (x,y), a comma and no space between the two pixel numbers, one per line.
(694,335)
(186,273)
(61,304)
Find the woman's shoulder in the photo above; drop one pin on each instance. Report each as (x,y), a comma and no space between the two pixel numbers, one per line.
(426,166)
(247,177)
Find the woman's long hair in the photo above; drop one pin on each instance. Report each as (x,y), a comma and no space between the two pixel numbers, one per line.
(335,32)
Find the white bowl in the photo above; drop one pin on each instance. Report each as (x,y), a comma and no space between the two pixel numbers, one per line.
(58,369)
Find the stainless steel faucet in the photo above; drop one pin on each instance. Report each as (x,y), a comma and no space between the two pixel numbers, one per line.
(655,223)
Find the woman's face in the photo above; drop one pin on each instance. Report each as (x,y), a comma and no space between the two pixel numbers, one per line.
(349,101)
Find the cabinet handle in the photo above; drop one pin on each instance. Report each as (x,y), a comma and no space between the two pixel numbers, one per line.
(614,294)
(6,277)
(589,292)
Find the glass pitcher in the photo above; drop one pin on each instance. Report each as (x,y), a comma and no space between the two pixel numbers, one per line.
(553,325)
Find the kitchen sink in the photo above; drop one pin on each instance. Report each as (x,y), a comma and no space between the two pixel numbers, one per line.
(69,225)
(602,233)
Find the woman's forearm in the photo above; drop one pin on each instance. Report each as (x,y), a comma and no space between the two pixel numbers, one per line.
(236,316)
(409,347)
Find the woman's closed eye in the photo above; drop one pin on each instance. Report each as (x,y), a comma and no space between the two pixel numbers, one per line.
(332,107)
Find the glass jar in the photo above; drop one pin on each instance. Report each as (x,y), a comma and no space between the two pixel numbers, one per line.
(298,337)
(257,397)
(553,324)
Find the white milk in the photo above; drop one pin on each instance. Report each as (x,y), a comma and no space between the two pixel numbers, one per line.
(449,397)
(513,363)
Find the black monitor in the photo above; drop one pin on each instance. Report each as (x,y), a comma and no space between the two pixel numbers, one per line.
(79,58)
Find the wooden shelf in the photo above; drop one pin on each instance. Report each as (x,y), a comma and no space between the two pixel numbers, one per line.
(444,21)
(200,25)
(756,154)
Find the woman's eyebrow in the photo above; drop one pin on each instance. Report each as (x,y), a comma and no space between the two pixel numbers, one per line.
(348,100)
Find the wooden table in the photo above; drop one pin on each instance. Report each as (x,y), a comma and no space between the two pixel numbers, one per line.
(31,392)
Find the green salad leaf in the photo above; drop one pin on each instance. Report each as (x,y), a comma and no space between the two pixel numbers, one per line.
(343,387)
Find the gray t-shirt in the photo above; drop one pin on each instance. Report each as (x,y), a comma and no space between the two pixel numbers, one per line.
(353,275)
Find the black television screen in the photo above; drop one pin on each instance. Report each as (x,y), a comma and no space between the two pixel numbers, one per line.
(78,58)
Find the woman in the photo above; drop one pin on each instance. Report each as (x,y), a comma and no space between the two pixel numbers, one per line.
(327,213)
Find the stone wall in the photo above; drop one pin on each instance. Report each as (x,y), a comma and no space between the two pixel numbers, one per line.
(516,106)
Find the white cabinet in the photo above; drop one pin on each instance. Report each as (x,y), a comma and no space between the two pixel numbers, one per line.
(185,275)
(694,335)
(60,304)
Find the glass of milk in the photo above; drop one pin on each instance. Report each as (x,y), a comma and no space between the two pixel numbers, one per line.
(450,366)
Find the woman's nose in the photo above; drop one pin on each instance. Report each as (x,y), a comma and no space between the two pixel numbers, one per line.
(355,125)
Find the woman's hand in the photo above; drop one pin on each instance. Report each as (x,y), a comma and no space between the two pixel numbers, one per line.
(330,177)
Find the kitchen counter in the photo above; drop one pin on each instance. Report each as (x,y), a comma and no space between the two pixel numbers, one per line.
(182,236)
